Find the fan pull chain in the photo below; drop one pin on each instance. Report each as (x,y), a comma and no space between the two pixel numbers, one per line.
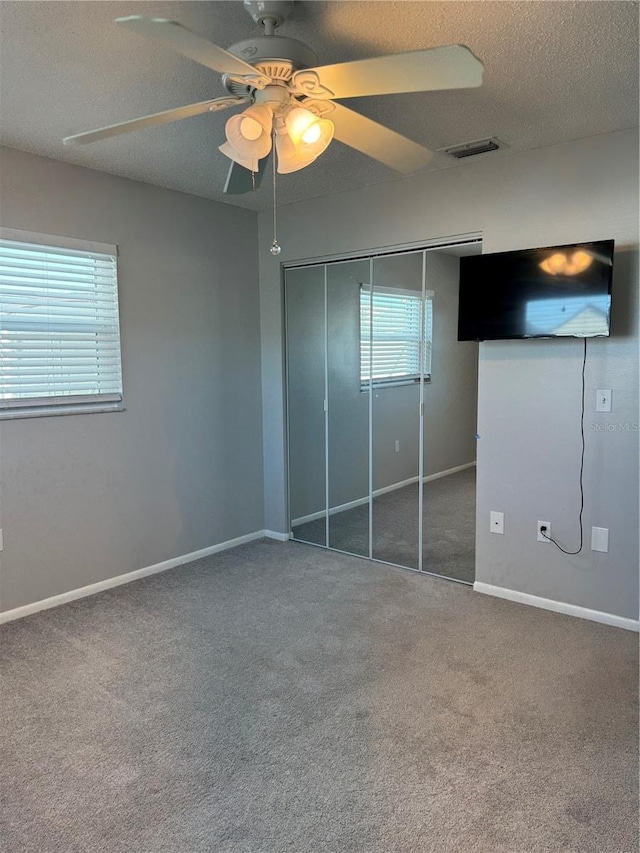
(275,247)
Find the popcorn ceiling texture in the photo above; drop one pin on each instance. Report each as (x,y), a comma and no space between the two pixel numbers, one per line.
(554,72)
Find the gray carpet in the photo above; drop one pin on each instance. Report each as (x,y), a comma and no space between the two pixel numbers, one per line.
(449,511)
(285,698)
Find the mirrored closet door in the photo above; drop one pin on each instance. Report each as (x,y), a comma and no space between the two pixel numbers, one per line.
(398,357)
(348,413)
(306,381)
(381,404)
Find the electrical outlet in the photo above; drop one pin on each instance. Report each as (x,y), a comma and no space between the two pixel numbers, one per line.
(496,522)
(547,529)
(397,445)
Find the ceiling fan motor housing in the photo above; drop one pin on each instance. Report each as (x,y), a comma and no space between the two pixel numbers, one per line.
(273,49)
(276,56)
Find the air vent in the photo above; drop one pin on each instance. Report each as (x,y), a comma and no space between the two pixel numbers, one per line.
(470,149)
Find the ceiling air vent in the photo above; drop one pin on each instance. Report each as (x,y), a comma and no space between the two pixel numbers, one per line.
(470,149)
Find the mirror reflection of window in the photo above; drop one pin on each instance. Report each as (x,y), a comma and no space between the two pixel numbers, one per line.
(574,315)
(399,329)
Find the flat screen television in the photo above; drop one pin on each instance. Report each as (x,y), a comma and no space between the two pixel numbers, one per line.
(560,291)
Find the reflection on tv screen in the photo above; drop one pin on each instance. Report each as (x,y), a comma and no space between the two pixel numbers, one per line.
(559,291)
(576,316)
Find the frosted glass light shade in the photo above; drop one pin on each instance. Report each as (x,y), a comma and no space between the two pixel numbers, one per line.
(317,137)
(290,159)
(251,163)
(298,121)
(249,134)
(302,139)
(307,131)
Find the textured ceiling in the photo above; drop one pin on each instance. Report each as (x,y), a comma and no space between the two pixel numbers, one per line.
(554,71)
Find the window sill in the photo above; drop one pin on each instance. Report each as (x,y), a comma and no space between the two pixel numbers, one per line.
(378,386)
(56,411)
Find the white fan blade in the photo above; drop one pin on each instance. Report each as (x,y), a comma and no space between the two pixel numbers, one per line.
(183,41)
(152,120)
(450,67)
(371,138)
(241,180)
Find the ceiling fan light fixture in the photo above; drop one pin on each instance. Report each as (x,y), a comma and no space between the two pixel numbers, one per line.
(249,162)
(317,137)
(250,128)
(300,139)
(290,157)
(249,133)
(299,123)
(306,129)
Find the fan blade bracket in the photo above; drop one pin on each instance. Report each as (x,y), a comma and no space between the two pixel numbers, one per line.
(256,81)
(322,109)
(307,83)
(224,103)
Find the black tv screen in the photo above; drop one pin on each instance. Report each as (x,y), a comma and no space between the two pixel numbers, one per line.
(560,291)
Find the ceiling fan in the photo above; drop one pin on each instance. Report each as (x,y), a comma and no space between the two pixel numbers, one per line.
(290,102)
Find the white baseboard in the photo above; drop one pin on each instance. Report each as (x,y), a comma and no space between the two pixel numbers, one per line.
(314,516)
(274,534)
(449,471)
(557,606)
(128,577)
(334,510)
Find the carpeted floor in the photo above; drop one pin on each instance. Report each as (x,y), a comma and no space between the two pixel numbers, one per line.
(449,510)
(284,698)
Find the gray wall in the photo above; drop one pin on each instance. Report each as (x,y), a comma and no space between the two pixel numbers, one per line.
(450,398)
(87,497)
(529,392)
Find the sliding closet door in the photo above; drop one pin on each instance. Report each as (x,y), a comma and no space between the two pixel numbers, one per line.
(395,374)
(382,410)
(306,345)
(450,424)
(348,411)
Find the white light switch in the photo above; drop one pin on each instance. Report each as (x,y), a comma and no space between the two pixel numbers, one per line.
(603,401)
(600,539)
(496,522)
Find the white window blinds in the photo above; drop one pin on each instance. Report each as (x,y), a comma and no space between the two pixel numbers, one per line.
(59,328)
(391,321)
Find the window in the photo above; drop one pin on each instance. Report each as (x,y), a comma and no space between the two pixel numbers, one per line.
(391,320)
(59,329)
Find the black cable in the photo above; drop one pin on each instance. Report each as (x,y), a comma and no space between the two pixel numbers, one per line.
(584,362)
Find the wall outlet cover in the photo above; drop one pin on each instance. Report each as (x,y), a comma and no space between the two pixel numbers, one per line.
(540,537)
(600,539)
(496,522)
